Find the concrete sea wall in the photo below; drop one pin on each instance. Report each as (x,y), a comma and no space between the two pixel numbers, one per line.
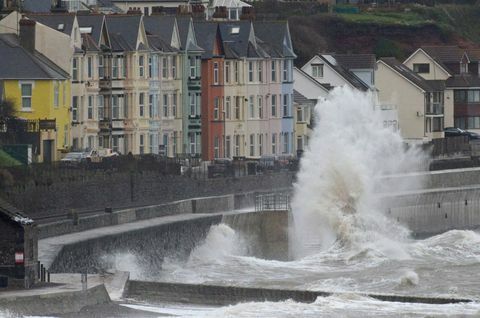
(158,292)
(55,303)
(145,247)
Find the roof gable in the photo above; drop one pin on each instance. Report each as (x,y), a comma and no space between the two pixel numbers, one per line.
(404,72)
(437,63)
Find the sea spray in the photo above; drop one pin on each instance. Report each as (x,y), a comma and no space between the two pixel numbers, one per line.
(334,198)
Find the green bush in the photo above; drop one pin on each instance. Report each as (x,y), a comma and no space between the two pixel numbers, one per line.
(387,48)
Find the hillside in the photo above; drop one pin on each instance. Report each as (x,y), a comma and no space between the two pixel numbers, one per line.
(386,32)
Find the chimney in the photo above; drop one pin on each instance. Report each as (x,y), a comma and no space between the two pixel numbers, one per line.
(27,34)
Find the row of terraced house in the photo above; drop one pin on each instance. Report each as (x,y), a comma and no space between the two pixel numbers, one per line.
(154,84)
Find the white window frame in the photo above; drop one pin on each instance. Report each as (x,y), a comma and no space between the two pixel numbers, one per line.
(26,97)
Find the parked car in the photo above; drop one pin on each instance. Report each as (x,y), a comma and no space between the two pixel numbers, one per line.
(456,132)
(73,159)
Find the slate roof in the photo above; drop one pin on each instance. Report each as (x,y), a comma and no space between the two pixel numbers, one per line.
(163,26)
(24,65)
(54,20)
(88,43)
(205,33)
(123,31)
(356,61)
(444,54)
(274,34)
(300,99)
(463,80)
(183,26)
(157,43)
(39,6)
(408,73)
(346,74)
(14,214)
(237,44)
(95,21)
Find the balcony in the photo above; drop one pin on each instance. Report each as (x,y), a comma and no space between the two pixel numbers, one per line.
(104,125)
(194,82)
(434,109)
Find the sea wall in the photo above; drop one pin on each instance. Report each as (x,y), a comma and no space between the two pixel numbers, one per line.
(196,205)
(266,232)
(43,304)
(159,292)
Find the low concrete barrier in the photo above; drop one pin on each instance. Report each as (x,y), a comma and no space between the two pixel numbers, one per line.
(213,204)
(227,295)
(55,303)
(201,205)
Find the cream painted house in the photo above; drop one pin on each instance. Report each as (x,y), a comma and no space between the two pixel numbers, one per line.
(419,102)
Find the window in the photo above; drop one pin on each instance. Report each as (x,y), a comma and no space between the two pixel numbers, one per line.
(237,76)
(75,108)
(56,94)
(473,96)
(228,142)
(100,107)
(285,143)
(101,67)
(174,104)
(141,104)
(260,71)
(164,68)
(274,71)
(251,106)
(285,105)
(274,144)
(115,143)
(115,67)
(26,96)
(174,143)
(227,72)
(123,63)
(141,65)
(466,96)
(90,142)
(216,107)
(463,68)
(274,105)
(252,145)
(216,147)
(165,105)
(165,143)
(115,107)
(421,68)
(193,104)
(150,105)
(300,143)
(260,144)
(150,70)
(260,107)
(215,73)
(193,67)
(142,144)
(228,107)
(90,107)
(237,107)
(299,114)
(75,69)
(126,99)
(193,143)
(89,67)
(151,142)
(438,123)
(174,67)
(317,70)
(286,65)
(250,71)
(237,145)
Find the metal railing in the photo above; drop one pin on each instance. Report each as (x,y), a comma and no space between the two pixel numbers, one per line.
(275,201)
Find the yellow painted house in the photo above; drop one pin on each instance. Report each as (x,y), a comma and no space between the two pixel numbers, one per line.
(41,93)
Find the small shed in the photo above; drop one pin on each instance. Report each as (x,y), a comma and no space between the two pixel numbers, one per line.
(18,248)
